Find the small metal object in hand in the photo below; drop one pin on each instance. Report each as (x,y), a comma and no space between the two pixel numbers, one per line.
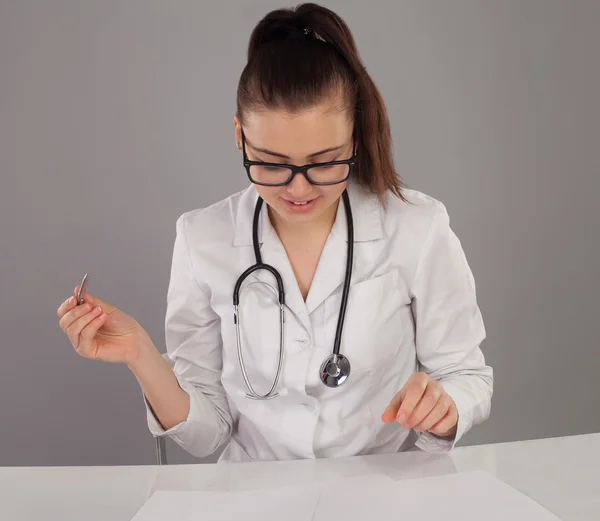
(82,289)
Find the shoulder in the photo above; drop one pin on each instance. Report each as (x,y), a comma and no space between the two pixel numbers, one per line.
(418,235)
(414,217)
(213,223)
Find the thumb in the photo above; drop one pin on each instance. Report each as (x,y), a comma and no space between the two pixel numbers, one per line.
(391,410)
(95,301)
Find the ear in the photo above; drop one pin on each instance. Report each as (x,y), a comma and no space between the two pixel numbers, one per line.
(237,128)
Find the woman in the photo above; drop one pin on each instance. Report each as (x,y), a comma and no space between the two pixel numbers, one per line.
(411,371)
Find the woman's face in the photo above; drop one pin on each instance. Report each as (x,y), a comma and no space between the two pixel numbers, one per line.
(317,135)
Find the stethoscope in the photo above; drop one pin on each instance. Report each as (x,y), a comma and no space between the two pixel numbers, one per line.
(335,369)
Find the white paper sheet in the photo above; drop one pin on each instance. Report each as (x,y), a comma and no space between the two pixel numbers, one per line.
(470,496)
(287,503)
(261,505)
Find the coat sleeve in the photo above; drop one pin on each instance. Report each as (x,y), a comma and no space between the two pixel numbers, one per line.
(194,348)
(449,329)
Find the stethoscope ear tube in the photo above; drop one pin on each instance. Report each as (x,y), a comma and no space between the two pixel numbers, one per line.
(252,269)
(252,394)
(259,265)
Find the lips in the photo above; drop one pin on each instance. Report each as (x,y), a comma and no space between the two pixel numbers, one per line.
(300,206)
(300,201)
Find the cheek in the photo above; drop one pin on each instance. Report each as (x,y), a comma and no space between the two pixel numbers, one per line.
(332,193)
(268,193)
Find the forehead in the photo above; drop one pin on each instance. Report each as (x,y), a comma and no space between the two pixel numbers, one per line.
(298,134)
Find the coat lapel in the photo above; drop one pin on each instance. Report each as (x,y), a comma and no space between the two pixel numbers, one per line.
(329,277)
(272,253)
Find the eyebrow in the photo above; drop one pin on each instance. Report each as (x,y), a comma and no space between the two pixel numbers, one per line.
(287,158)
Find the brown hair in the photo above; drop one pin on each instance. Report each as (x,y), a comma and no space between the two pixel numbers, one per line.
(299,56)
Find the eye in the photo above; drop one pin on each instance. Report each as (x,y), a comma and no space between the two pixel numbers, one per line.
(273,169)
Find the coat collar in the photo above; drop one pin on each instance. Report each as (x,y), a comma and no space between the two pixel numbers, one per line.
(329,276)
(366,213)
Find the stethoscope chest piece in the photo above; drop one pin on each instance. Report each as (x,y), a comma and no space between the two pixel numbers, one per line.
(335,370)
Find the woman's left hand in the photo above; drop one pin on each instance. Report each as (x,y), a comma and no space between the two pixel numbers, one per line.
(423,405)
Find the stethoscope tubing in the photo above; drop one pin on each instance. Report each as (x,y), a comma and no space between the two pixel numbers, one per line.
(259,265)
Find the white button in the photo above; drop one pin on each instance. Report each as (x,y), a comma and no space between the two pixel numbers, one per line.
(309,405)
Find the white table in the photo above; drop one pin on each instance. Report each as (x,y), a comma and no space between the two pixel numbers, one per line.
(562,474)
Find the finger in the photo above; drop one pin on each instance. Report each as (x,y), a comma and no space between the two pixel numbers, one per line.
(427,403)
(87,335)
(389,415)
(436,414)
(66,306)
(74,330)
(415,387)
(94,301)
(447,424)
(72,315)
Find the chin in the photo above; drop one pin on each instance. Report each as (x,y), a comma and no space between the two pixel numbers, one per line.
(299,218)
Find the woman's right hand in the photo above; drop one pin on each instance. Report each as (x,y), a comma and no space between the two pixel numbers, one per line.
(100,331)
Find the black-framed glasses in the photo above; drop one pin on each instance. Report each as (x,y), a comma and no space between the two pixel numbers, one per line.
(280,174)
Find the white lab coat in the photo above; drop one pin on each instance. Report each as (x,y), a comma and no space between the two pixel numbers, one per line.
(412,307)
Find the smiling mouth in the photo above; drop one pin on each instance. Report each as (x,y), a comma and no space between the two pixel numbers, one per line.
(300,205)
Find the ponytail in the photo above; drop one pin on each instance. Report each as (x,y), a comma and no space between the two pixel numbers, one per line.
(298,57)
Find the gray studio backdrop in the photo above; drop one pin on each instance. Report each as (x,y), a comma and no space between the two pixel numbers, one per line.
(116,117)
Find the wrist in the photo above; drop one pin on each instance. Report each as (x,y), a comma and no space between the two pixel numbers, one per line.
(146,352)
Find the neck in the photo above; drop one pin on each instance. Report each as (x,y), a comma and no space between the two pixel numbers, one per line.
(322,225)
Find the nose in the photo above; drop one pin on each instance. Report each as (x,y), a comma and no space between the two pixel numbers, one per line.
(299,187)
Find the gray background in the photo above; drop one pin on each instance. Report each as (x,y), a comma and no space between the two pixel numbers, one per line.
(116,117)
